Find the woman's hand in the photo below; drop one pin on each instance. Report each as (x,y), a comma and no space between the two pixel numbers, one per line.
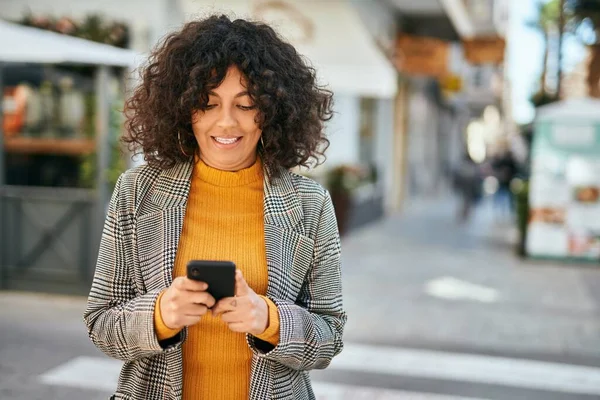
(247,312)
(184,303)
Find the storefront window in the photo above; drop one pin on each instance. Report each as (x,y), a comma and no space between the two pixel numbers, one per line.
(49,126)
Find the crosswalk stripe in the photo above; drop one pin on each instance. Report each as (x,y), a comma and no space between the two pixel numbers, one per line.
(102,373)
(330,391)
(512,372)
(95,373)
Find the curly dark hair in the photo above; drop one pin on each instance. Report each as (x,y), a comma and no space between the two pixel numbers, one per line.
(191,62)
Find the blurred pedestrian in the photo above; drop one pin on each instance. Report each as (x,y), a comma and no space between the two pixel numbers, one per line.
(468,185)
(224,110)
(504,168)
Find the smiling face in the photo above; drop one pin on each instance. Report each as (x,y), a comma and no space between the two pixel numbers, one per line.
(227,132)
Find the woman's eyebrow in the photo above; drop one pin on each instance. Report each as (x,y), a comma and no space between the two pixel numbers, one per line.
(240,94)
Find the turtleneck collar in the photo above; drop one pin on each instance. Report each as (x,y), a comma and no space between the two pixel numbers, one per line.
(222,178)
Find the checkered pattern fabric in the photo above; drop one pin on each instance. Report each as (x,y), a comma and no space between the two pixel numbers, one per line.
(137,253)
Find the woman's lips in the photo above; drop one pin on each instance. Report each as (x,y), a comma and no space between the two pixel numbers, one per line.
(226,142)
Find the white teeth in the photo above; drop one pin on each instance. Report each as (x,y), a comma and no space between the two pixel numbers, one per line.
(226,141)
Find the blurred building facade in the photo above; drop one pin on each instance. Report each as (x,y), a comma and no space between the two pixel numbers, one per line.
(408,76)
(450,56)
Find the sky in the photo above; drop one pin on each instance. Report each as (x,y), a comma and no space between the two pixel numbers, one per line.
(525,57)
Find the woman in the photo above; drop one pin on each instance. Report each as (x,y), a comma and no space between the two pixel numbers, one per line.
(224,110)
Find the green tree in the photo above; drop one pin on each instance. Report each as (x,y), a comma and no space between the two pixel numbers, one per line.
(547,23)
(584,18)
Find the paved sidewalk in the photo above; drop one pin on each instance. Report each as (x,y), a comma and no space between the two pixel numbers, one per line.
(485,299)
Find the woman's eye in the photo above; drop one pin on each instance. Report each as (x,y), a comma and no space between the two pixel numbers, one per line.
(246,108)
(209,106)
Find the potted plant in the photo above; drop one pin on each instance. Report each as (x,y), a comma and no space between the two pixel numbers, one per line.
(341,181)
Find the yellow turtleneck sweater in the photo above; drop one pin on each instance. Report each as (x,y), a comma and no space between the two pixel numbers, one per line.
(223,221)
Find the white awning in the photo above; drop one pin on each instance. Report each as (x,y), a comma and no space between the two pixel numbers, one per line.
(22,44)
(343,51)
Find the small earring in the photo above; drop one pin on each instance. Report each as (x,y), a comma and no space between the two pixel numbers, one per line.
(262,142)
(180,146)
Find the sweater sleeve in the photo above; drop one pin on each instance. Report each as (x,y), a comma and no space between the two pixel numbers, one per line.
(162,331)
(271,334)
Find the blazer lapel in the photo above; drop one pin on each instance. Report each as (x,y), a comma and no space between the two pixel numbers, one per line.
(281,205)
(160,225)
(173,186)
(288,250)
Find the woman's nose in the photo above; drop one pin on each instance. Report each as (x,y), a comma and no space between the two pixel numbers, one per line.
(226,118)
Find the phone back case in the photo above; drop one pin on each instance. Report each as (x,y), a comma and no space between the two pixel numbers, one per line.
(219,275)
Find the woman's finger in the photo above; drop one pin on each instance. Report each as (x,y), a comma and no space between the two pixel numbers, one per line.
(189,320)
(230,317)
(228,304)
(237,327)
(241,286)
(194,310)
(201,298)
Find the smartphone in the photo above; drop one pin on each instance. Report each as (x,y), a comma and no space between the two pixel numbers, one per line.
(219,275)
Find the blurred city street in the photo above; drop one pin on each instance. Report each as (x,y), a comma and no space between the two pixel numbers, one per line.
(453,129)
(437,311)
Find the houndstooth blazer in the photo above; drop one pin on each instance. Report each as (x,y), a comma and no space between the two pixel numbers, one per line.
(135,262)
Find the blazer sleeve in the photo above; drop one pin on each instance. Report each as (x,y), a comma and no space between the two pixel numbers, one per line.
(120,322)
(311,329)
